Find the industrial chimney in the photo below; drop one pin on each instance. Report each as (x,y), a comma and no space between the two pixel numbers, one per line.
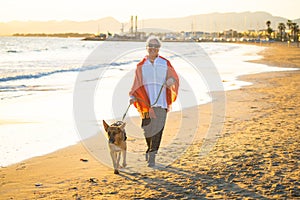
(131,24)
(136,24)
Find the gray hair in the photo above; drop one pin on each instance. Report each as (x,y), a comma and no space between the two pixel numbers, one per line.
(153,37)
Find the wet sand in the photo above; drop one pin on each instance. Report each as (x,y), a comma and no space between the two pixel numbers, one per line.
(256,156)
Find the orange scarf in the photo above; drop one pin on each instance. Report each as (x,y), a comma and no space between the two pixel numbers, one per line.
(139,92)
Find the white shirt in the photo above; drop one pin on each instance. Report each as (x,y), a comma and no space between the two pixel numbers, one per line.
(154,76)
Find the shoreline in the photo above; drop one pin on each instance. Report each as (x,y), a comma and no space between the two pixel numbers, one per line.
(62,175)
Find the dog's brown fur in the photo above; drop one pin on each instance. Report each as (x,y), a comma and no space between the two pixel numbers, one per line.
(117,143)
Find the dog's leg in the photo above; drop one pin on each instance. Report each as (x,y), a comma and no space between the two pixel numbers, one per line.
(124,158)
(118,160)
(114,160)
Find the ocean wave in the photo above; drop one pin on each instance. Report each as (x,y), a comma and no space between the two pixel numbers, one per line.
(40,50)
(42,74)
(13,51)
(11,88)
(77,69)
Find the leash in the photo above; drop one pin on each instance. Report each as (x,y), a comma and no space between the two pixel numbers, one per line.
(161,88)
(126,112)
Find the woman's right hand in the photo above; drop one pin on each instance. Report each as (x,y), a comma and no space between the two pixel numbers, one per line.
(132,100)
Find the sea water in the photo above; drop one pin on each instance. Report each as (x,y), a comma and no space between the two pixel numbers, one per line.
(41,80)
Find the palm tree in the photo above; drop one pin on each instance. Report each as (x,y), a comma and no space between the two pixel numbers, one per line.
(281,28)
(289,23)
(269,29)
(295,30)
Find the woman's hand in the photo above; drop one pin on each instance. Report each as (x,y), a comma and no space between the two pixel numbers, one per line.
(132,100)
(170,82)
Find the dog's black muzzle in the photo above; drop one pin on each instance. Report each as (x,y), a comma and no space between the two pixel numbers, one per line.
(111,140)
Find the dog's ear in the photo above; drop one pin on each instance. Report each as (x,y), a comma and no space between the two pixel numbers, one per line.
(123,125)
(105,125)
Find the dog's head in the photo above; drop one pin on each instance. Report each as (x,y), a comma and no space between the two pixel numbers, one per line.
(116,132)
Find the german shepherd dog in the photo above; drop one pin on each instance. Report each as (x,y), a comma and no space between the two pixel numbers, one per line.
(117,143)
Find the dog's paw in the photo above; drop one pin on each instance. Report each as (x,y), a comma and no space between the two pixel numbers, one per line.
(124,165)
(116,171)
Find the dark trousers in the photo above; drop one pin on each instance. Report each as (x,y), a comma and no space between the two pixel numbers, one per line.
(153,129)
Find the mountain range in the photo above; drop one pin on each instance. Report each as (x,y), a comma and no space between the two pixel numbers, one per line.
(203,22)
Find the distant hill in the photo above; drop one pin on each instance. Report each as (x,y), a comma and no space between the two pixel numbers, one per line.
(218,22)
(92,26)
(203,22)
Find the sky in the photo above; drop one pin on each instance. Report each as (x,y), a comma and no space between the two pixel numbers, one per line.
(46,10)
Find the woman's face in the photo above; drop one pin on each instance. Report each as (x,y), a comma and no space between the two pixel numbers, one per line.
(153,48)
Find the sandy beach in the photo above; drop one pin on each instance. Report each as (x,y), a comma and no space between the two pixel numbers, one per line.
(255,157)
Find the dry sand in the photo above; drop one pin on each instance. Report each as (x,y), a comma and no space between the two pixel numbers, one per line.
(256,156)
